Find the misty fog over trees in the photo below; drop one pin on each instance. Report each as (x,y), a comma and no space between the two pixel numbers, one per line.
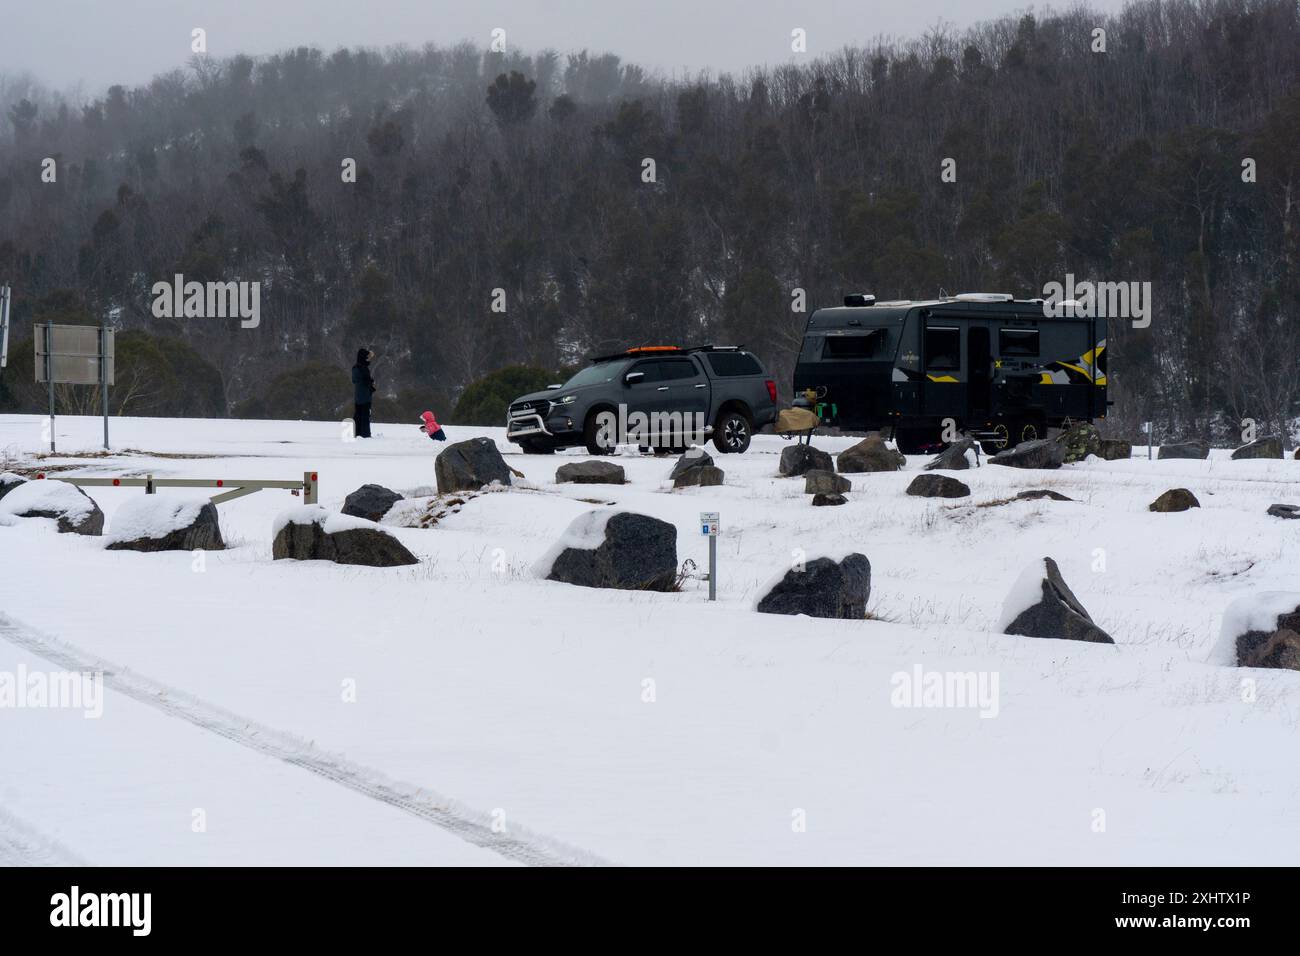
(523,171)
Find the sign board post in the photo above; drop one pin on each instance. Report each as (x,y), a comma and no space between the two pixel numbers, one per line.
(709,526)
(75,355)
(4,325)
(1146,427)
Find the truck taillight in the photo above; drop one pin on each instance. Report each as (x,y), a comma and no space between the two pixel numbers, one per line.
(771,390)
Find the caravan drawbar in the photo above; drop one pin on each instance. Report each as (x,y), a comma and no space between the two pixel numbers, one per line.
(1001,369)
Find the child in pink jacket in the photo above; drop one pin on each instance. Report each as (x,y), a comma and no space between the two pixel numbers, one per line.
(432,428)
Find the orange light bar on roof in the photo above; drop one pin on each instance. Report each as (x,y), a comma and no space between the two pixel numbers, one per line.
(653,348)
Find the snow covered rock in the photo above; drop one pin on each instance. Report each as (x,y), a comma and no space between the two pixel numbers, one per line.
(9,481)
(1039,453)
(469,465)
(702,476)
(1187,449)
(1115,449)
(1268,447)
(960,455)
(1260,630)
(1080,440)
(74,510)
(937,486)
(310,533)
(824,501)
(693,457)
(1175,499)
(800,458)
(870,454)
(822,588)
(163,523)
(1284,511)
(614,549)
(821,482)
(1042,605)
(371,502)
(590,473)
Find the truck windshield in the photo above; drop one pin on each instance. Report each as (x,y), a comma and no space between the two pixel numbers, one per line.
(596,374)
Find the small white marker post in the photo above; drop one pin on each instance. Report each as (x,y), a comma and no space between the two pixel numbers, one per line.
(1146,427)
(709,525)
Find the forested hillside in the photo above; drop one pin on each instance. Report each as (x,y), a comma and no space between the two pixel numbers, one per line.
(525,172)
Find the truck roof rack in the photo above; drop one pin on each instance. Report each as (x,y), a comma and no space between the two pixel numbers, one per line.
(639,350)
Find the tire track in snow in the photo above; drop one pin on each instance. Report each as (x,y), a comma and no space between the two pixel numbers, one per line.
(23,845)
(521,845)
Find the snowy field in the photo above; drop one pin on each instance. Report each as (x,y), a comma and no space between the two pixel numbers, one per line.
(500,719)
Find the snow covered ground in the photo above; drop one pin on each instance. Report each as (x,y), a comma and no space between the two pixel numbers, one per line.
(461,711)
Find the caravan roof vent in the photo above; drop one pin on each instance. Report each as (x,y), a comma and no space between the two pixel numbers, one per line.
(859,298)
(984,297)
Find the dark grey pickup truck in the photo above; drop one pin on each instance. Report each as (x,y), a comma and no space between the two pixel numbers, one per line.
(658,397)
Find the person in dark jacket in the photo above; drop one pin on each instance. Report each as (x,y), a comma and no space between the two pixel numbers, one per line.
(363,391)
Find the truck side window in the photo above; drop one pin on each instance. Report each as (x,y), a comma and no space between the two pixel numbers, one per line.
(652,370)
(942,349)
(677,368)
(1018,342)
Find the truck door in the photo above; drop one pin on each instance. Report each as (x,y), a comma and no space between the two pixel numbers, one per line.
(979,366)
(688,396)
(944,395)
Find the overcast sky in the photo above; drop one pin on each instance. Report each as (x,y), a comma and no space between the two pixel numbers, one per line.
(101,42)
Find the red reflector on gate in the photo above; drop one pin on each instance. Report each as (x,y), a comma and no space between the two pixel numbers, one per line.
(116,482)
(40,476)
(313,476)
(220,483)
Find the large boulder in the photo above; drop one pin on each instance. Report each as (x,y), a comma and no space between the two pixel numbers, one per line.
(1261,630)
(1039,453)
(821,482)
(590,473)
(615,549)
(74,511)
(1269,447)
(937,486)
(1115,449)
(693,457)
(1080,440)
(822,588)
(798,459)
(310,533)
(1284,511)
(1041,604)
(1186,449)
(827,501)
(870,454)
(956,457)
(370,502)
(1175,499)
(703,476)
(9,481)
(165,523)
(469,465)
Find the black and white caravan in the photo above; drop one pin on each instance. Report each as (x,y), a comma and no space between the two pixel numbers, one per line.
(994,367)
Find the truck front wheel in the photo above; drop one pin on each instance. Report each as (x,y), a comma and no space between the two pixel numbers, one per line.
(732,431)
(593,437)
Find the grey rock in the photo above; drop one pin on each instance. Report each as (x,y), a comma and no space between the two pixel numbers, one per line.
(824,501)
(1284,511)
(9,481)
(937,486)
(370,502)
(823,588)
(799,458)
(590,473)
(1175,499)
(1058,614)
(1039,453)
(692,458)
(91,523)
(1186,449)
(953,458)
(371,547)
(639,553)
(1035,493)
(1278,648)
(469,465)
(818,481)
(1115,449)
(1268,447)
(202,534)
(869,455)
(703,476)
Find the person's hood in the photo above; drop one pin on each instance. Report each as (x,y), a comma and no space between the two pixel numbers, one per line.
(429,419)
(363,356)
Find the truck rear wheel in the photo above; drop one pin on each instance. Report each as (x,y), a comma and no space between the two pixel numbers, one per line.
(732,432)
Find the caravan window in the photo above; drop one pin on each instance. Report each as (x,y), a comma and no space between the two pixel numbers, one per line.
(869,344)
(942,349)
(1018,342)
